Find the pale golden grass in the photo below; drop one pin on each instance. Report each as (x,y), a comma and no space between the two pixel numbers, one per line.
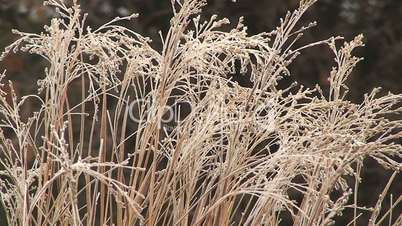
(233,160)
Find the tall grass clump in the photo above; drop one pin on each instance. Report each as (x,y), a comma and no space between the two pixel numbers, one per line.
(103,148)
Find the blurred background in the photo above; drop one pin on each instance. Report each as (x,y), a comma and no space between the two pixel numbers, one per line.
(379,20)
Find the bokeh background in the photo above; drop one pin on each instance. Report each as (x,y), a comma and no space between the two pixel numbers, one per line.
(379,20)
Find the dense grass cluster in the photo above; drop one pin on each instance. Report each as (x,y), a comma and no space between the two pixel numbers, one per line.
(99,150)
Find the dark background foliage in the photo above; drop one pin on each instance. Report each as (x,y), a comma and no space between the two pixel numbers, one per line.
(378,20)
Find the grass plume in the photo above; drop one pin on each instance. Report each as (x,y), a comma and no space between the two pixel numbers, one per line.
(88,156)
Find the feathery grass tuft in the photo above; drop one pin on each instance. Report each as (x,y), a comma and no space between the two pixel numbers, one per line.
(107,146)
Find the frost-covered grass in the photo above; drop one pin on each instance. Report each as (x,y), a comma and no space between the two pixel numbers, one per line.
(98,149)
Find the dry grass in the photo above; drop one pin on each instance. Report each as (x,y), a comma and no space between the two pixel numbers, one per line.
(235,159)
